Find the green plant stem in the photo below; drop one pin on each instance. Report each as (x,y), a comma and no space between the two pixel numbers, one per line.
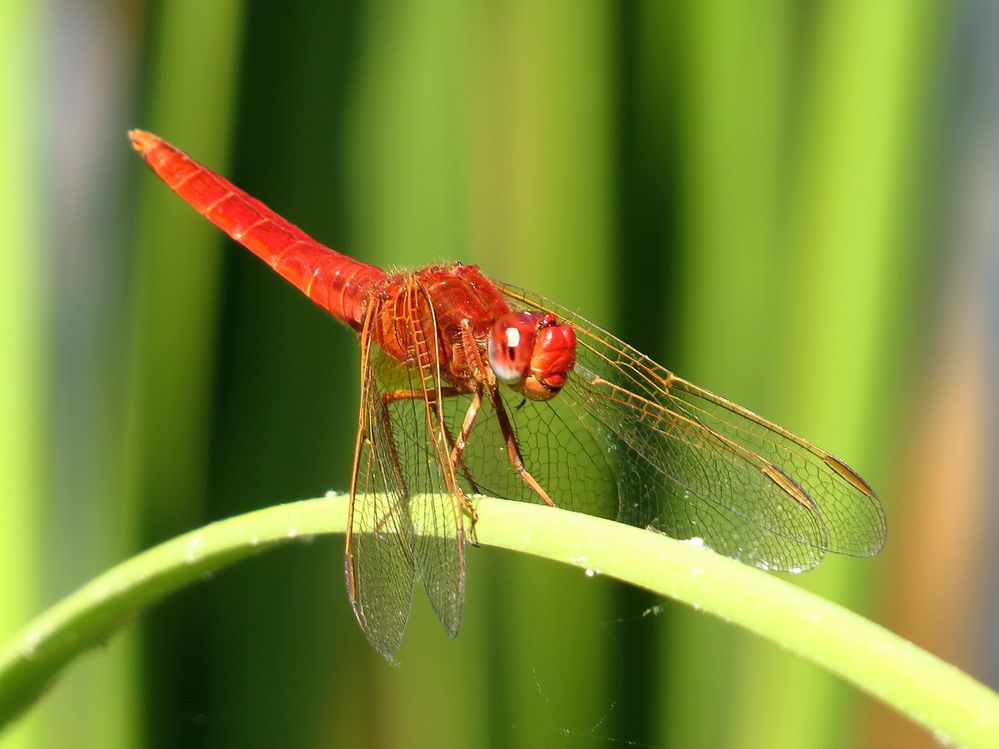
(945,700)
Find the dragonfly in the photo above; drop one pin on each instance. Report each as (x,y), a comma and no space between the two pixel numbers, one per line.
(472,386)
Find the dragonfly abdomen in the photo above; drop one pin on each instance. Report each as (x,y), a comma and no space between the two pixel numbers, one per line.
(337,283)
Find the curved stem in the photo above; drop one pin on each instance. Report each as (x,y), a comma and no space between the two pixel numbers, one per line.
(933,693)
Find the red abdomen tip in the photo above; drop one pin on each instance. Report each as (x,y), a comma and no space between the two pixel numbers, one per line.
(141,140)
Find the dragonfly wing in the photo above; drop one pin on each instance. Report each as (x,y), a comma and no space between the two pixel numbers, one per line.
(566,460)
(592,458)
(406,493)
(380,559)
(693,465)
(418,417)
(689,486)
(854,518)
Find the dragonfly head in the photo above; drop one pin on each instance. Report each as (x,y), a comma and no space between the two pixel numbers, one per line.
(532,353)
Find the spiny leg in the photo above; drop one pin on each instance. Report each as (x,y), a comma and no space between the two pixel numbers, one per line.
(457,447)
(431,395)
(513,450)
(482,376)
(480,370)
(457,453)
(383,414)
(412,394)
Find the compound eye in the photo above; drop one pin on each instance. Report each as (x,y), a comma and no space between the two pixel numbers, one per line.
(511,345)
(532,353)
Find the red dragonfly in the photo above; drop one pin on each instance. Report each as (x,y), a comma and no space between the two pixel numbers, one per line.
(472,386)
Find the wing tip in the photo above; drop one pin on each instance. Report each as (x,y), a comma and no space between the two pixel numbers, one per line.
(875,514)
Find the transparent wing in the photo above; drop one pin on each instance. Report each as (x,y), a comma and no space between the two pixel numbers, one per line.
(380,559)
(423,440)
(411,443)
(599,462)
(573,465)
(691,464)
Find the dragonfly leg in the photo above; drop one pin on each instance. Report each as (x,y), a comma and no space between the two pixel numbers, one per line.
(456,446)
(474,363)
(481,374)
(513,450)
(417,394)
(466,428)
(455,456)
(458,450)
(457,463)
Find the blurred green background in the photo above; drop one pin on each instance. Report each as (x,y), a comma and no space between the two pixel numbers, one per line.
(793,204)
